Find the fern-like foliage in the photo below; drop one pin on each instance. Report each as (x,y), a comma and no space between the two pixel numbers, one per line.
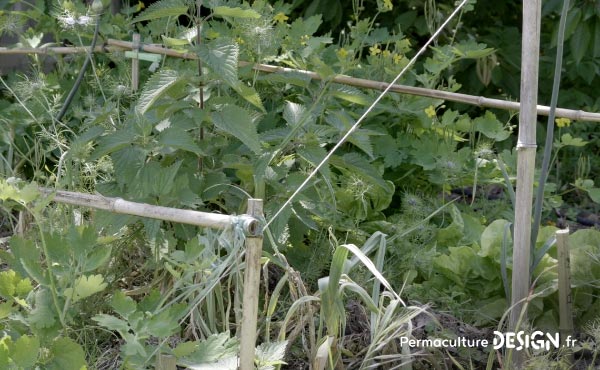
(162,9)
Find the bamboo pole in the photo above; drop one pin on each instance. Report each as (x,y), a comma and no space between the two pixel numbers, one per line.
(249,224)
(251,291)
(565,304)
(135,64)
(52,50)
(526,147)
(480,101)
(166,362)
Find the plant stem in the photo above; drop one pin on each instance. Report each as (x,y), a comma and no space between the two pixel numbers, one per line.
(550,126)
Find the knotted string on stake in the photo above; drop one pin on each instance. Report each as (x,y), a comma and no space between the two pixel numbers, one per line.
(366,113)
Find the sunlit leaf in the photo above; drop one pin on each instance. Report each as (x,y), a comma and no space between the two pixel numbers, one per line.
(235,12)
(238,122)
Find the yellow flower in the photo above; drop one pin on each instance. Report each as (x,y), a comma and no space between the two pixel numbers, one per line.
(374,50)
(280,17)
(397,58)
(388,4)
(430,111)
(563,122)
(342,53)
(386,53)
(140,6)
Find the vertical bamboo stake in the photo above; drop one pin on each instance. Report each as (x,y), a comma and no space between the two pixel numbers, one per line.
(135,63)
(526,147)
(564,285)
(251,288)
(165,362)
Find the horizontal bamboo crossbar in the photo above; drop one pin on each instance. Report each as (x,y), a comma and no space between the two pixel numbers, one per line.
(249,224)
(480,101)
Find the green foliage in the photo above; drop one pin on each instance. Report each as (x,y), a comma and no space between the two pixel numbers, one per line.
(207,134)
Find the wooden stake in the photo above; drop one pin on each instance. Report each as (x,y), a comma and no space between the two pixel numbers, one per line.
(165,362)
(135,64)
(526,147)
(251,291)
(564,287)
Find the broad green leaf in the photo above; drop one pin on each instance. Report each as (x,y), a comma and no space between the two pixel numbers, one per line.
(153,179)
(351,94)
(6,308)
(355,163)
(491,239)
(227,11)
(216,347)
(580,41)
(314,154)
(81,240)
(293,113)
(25,351)
(133,346)
(568,140)
(112,323)
(594,194)
(122,304)
(86,286)
(112,142)
(66,355)
(221,56)
(162,9)
(98,257)
(491,127)
(238,122)
(7,283)
(185,349)
(176,138)
(42,315)
(250,94)
(4,357)
(26,259)
(173,42)
(156,86)
(167,322)
(270,354)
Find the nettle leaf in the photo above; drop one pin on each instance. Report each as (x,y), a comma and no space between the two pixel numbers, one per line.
(221,56)
(86,286)
(294,113)
(351,94)
(159,84)
(156,180)
(216,347)
(238,122)
(227,11)
(176,138)
(162,9)
(314,154)
(112,142)
(270,354)
(250,94)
